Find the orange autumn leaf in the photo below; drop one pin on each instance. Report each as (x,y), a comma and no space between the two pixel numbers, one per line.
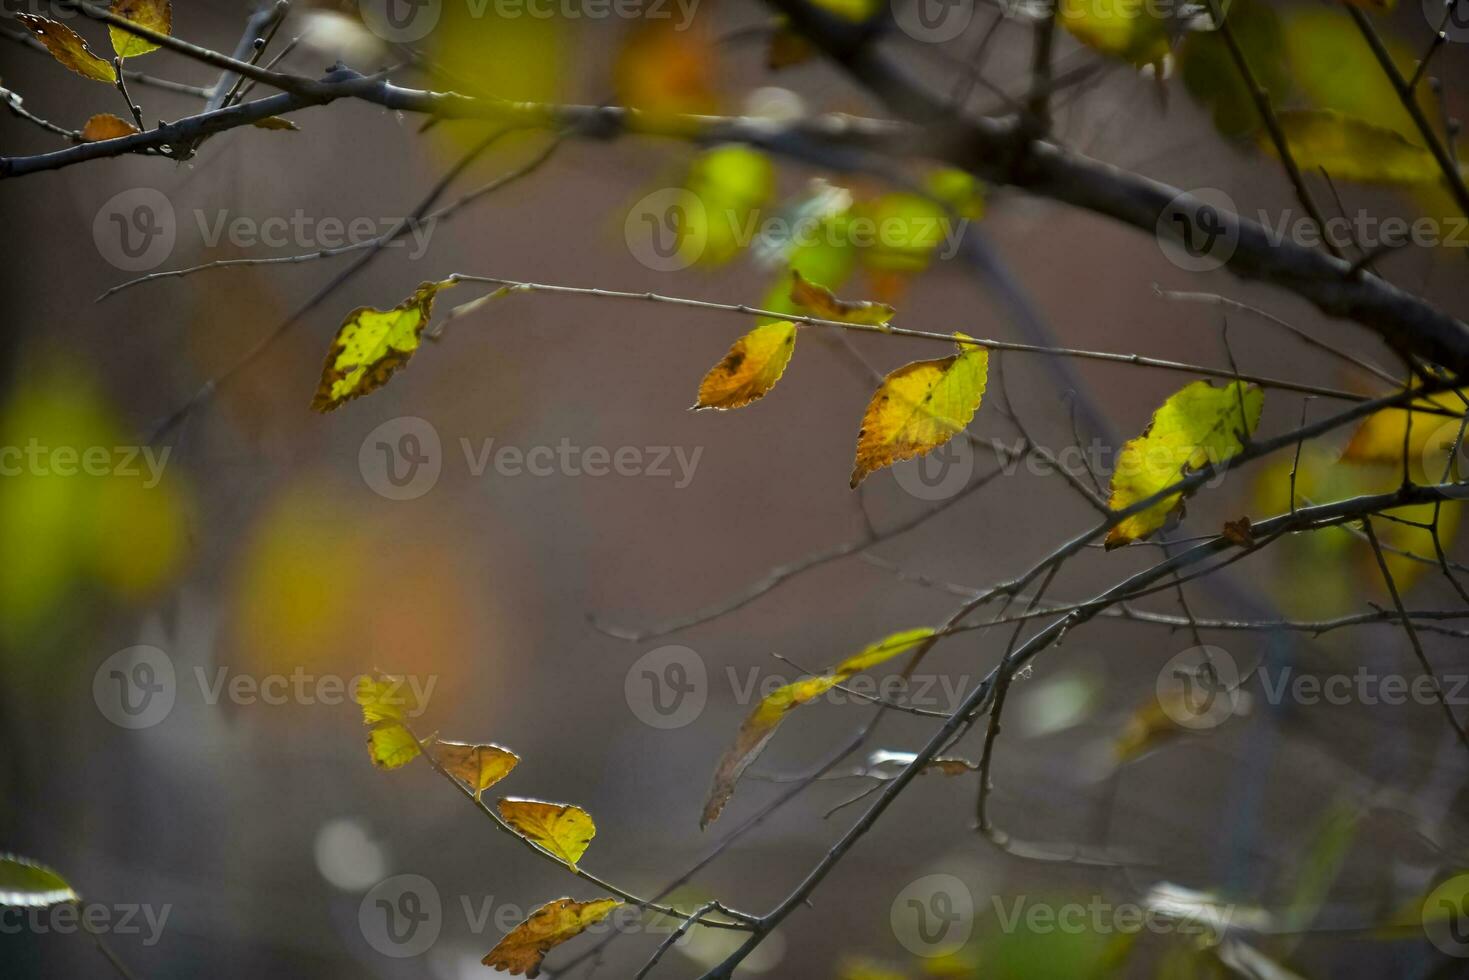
(524,947)
(106,126)
(751,368)
(478,766)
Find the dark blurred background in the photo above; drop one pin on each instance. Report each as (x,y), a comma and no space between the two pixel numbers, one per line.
(264,549)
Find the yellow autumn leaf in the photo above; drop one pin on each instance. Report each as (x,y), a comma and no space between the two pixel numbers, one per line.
(1196,426)
(759,727)
(1354,149)
(67,47)
(106,126)
(1429,436)
(819,301)
(391,745)
(751,368)
(563,830)
(919,407)
(371,344)
(524,947)
(1136,31)
(479,766)
(156,15)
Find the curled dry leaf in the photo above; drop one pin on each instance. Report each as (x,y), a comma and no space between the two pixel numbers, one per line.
(371,344)
(106,126)
(67,47)
(751,368)
(1239,533)
(524,947)
(919,407)
(156,15)
(762,723)
(821,303)
(563,830)
(1197,426)
(479,766)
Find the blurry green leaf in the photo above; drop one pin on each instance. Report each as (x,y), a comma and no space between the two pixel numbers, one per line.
(1210,74)
(1330,843)
(26,884)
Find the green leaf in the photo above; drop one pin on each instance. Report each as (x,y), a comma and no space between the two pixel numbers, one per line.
(27,884)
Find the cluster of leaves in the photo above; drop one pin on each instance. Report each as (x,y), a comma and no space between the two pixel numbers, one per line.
(561,831)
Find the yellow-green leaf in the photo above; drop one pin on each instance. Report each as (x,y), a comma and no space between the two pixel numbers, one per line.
(524,947)
(1134,30)
(391,745)
(385,697)
(106,126)
(479,766)
(1354,149)
(1195,427)
(276,122)
(760,726)
(561,829)
(822,304)
(751,368)
(67,47)
(919,407)
(156,15)
(371,344)
(28,884)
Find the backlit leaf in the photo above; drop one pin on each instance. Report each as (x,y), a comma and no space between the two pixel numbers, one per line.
(391,745)
(1195,427)
(67,47)
(561,829)
(1136,31)
(919,407)
(27,884)
(664,67)
(106,126)
(819,302)
(478,766)
(1354,149)
(523,948)
(1428,436)
(760,726)
(751,368)
(156,15)
(371,344)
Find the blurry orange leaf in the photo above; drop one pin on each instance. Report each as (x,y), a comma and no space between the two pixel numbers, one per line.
(563,830)
(751,368)
(106,126)
(371,344)
(1197,426)
(762,723)
(67,47)
(919,407)
(823,305)
(664,68)
(479,766)
(156,15)
(1382,436)
(523,948)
